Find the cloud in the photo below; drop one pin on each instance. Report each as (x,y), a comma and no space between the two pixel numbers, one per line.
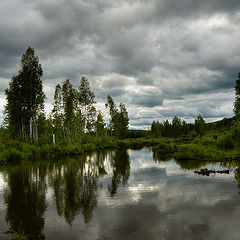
(179,48)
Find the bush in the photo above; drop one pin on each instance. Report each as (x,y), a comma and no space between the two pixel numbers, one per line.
(88,147)
(30,150)
(184,155)
(190,151)
(192,134)
(164,148)
(206,141)
(12,154)
(225,142)
(122,144)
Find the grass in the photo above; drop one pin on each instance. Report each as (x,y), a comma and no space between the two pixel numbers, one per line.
(14,150)
(197,151)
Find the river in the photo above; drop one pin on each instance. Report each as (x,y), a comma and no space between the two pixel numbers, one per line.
(121,194)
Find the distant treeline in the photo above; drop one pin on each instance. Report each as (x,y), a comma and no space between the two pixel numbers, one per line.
(179,127)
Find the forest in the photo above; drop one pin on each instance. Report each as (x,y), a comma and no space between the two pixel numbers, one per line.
(75,126)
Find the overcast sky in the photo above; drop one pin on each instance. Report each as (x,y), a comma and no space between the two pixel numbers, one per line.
(159,57)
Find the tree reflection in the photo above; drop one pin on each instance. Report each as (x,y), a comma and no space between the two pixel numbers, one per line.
(160,157)
(191,164)
(74,183)
(75,186)
(26,200)
(121,170)
(237,176)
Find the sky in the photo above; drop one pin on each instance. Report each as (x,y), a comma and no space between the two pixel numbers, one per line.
(162,58)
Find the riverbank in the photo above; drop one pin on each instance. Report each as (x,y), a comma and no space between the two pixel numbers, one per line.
(14,150)
(204,148)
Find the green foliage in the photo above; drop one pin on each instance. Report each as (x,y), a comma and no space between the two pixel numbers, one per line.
(207,141)
(86,101)
(178,128)
(100,125)
(119,121)
(157,129)
(25,98)
(225,142)
(137,133)
(167,131)
(198,151)
(165,148)
(235,131)
(224,124)
(57,113)
(13,154)
(19,236)
(200,125)
(69,107)
(237,98)
(193,133)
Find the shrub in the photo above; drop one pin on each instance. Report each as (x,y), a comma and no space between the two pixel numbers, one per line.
(122,144)
(164,148)
(192,134)
(12,154)
(225,142)
(89,147)
(206,141)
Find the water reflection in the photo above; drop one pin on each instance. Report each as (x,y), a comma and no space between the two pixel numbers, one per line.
(75,186)
(74,183)
(25,199)
(237,176)
(121,170)
(120,194)
(158,157)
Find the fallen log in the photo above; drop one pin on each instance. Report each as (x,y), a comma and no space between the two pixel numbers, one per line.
(206,172)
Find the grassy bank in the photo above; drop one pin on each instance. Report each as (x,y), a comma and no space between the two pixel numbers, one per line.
(210,147)
(205,148)
(197,151)
(13,150)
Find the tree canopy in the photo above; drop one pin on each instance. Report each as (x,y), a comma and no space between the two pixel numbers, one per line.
(25,98)
(237,97)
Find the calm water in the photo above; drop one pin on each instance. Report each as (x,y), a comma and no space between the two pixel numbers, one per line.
(124,194)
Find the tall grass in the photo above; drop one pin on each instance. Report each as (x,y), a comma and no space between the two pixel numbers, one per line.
(14,150)
(196,151)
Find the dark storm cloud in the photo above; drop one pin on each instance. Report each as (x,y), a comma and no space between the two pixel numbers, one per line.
(176,49)
(146,100)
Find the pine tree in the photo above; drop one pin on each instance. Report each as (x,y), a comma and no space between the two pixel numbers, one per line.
(176,126)
(200,125)
(121,123)
(167,132)
(100,125)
